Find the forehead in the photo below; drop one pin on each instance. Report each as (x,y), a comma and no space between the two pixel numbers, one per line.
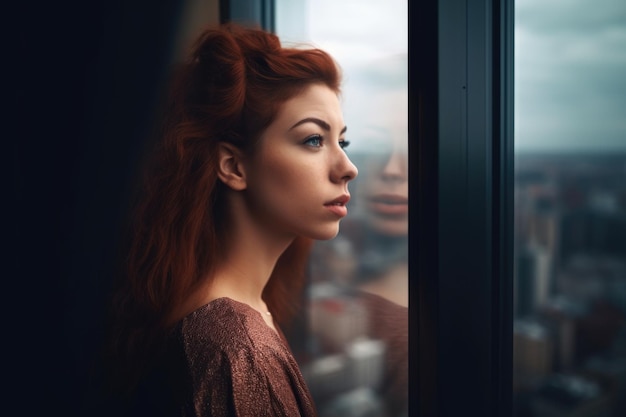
(316,100)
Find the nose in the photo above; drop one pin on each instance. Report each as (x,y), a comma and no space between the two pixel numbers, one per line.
(395,168)
(343,169)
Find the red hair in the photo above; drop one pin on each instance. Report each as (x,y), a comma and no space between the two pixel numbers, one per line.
(230,89)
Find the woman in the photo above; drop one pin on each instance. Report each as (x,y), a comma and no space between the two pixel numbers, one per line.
(250,168)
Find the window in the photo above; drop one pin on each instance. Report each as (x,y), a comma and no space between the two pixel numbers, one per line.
(354,352)
(570,209)
(511,304)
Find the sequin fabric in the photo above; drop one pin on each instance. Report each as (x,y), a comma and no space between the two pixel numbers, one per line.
(389,322)
(236,365)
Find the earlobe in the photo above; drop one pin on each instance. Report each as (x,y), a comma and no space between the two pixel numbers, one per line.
(230,167)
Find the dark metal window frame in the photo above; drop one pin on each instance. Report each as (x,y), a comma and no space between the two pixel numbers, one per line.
(461,163)
(461,111)
(255,12)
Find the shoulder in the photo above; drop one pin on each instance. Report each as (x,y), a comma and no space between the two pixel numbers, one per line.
(223,327)
(380,306)
(387,320)
(228,331)
(219,319)
(236,360)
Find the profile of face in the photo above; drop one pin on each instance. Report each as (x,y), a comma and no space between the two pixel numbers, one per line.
(383,185)
(297,177)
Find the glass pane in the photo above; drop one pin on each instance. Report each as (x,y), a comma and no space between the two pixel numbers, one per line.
(354,349)
(570,208)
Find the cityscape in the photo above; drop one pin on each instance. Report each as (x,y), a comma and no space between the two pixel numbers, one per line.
(570,285)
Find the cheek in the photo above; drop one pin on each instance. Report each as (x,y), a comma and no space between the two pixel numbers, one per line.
(291,170)
(285,180)
(288,194)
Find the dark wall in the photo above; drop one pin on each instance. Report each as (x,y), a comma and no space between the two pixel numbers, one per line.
(84,87)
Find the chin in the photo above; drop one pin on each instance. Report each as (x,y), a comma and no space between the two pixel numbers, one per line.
(326,233)
(389,227)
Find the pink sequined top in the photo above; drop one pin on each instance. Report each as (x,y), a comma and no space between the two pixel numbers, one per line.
(223,360)
(239,366)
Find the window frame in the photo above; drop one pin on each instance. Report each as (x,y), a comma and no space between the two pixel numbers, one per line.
(255,12)
(462,206)
(461,201)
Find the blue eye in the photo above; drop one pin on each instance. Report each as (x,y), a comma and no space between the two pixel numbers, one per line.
(314,141)
(344,144)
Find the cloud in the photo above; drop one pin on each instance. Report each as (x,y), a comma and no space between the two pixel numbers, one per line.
(354,31)
(570,88)
(569,17)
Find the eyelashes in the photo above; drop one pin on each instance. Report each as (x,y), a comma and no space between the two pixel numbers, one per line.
(317,141)
(314,141)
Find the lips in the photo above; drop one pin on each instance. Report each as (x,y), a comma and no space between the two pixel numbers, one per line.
(342,200)
(388,204)
(338,205)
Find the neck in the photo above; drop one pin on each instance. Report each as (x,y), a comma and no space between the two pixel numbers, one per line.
(250,255)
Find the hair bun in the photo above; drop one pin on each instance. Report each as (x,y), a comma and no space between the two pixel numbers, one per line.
(260,42)
(219,67)
(215,49)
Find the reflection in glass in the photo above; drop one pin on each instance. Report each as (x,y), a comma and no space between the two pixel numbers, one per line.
(355,355)
(570,209)
(359,291)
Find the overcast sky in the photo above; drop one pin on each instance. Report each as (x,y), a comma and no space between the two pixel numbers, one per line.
(570,61)
(570,75)
(353,31)
(357,33)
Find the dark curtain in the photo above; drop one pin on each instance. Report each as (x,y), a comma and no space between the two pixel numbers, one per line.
(84,83)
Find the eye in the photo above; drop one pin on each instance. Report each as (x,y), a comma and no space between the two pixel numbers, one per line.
(344,143)
(314,141)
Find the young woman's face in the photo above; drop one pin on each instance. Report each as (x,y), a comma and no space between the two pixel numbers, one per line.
(297,179)
(384,186)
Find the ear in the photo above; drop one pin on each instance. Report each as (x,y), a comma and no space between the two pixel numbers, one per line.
(230,166)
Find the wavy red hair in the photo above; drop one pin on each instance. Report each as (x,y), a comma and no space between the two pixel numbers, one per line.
(230,89)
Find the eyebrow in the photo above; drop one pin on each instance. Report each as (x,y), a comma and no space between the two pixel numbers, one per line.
(318,122)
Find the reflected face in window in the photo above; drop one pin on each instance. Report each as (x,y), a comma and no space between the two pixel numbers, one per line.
(383,186)
(297,178)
